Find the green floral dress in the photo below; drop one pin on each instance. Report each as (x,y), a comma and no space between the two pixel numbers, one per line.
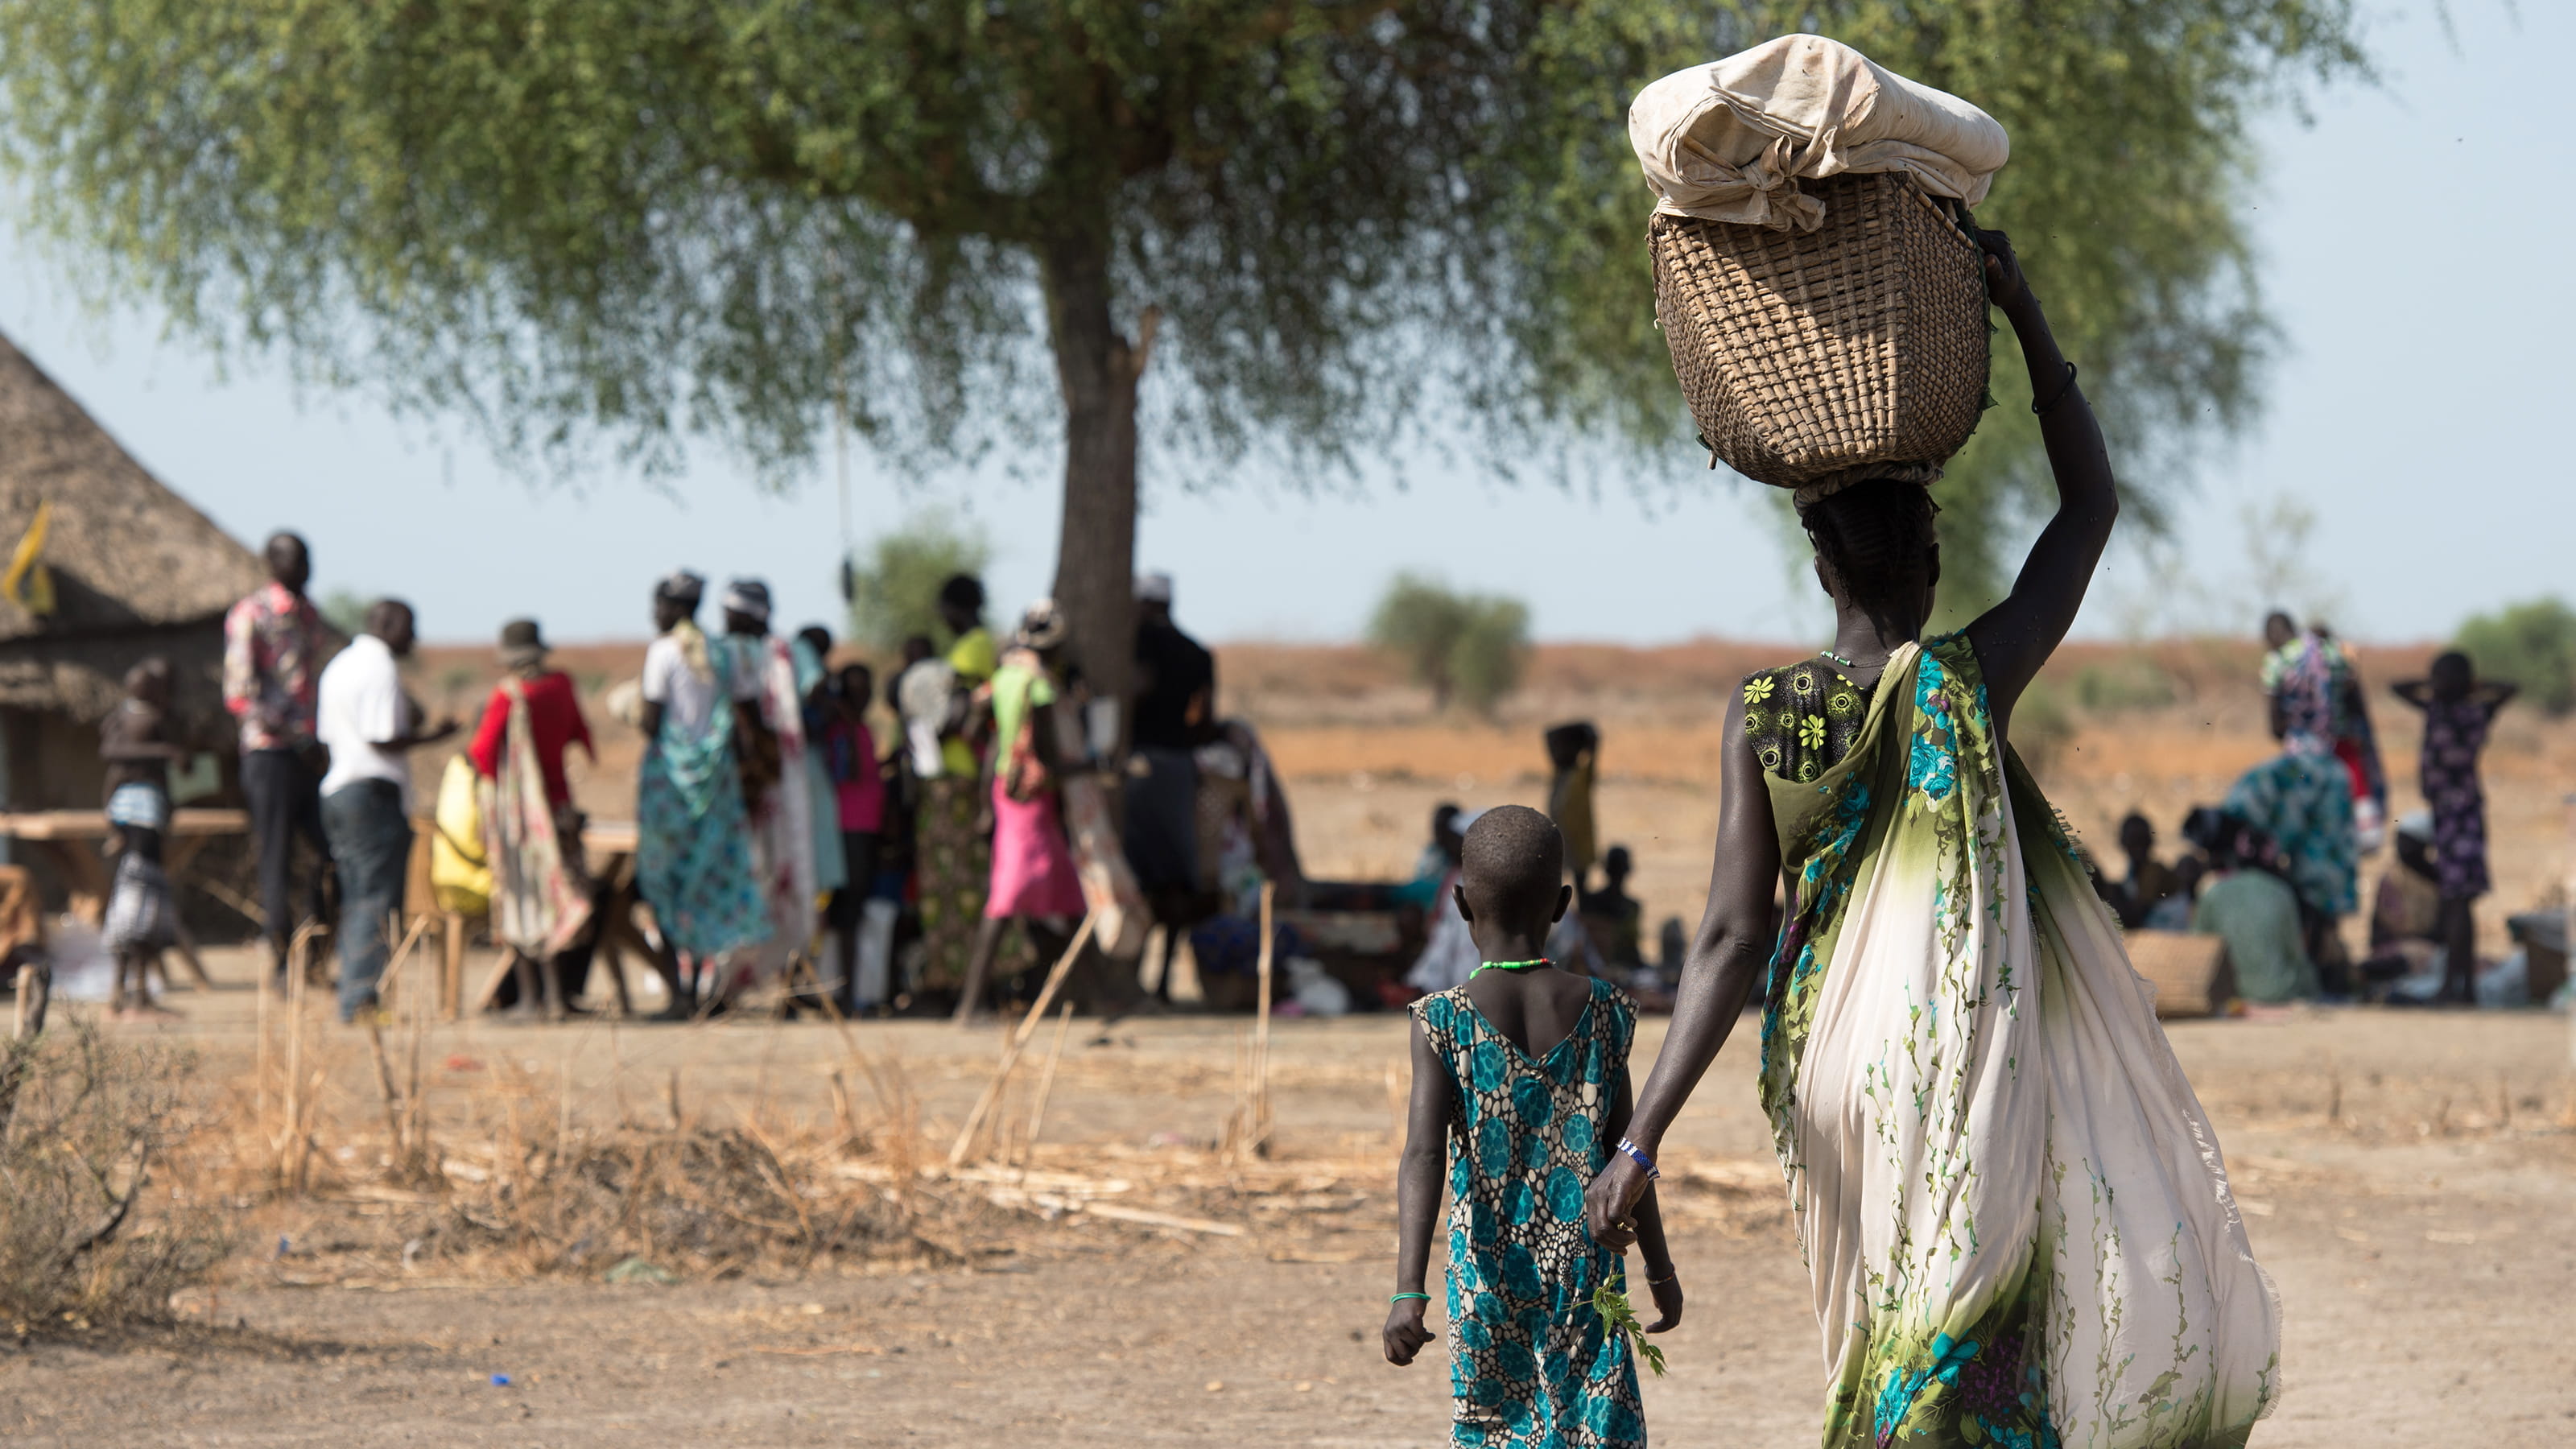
(1529,1363)
(2013,1208)
(1803,718)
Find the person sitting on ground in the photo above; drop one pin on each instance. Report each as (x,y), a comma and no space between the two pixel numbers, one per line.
(1520,1093)
(1448,947)
(1435,867)
(2257,915)
(1614,917)
(2458,712)
(2149,881)
(136,742)
(2173,913)
(371,727)
(2405,962)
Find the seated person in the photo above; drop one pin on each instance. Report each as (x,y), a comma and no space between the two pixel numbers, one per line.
(2150,881)
(2406,957)
(2257,915)
(2173,913)
(1615,919)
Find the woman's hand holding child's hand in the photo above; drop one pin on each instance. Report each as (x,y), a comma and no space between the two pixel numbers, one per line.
(1405,1334)
(1608,1201)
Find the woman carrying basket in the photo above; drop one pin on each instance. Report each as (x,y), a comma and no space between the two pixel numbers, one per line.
(2012,1206)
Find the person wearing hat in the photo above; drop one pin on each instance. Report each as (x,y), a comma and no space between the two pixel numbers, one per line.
(1033,879)
(776,783)
(1175,714)
(541,889)
(693,843)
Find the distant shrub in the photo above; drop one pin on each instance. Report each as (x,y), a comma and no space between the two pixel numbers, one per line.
(894,581)
(2041,726)
(1469,648)
(2533,644)
(2136,682)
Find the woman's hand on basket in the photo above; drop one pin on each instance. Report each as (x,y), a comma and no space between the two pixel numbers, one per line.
(2005,285)
(1607,1202)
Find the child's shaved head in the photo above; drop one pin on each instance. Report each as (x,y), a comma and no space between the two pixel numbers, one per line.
(1513,866)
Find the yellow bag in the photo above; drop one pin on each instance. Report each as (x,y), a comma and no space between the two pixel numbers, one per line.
(460,869)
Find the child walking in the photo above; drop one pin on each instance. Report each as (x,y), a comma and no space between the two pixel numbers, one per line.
(2458,711)
(1520,1094)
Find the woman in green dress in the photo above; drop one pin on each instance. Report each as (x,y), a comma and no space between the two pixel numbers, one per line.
(2013,1210)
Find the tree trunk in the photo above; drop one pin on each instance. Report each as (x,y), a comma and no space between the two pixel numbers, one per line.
(1098,368)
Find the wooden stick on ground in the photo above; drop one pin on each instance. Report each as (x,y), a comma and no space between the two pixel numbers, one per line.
(1046,1081)
(1019,1038)
(1258,1137)
(393,1100)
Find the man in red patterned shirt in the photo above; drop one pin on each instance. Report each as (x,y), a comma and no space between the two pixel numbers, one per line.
(273,653)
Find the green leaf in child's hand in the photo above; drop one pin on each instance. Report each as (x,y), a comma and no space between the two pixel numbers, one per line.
(1618,1317)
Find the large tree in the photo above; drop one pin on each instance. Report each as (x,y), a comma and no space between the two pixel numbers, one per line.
(632,221)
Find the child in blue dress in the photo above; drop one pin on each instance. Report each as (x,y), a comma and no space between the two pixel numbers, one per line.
(1520,1093)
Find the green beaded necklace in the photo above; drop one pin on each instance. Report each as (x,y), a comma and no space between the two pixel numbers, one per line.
(1510,966)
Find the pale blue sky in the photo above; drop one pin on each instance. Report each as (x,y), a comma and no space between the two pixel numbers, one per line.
(2415,251)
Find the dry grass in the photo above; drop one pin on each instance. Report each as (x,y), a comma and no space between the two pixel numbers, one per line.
(88,1127)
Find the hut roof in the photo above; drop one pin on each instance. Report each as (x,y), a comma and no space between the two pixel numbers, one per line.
(127,555)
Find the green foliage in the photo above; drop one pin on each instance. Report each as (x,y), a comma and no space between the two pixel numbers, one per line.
(895,582)
(2532,644)
(1617,1317)
(2042,726)
(344,610)
(1469,648)
(2132,683)
(638,219)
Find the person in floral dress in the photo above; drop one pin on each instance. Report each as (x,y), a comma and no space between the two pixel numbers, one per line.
(2459,709)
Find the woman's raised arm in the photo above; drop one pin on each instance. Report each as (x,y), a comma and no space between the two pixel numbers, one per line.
(2014,638)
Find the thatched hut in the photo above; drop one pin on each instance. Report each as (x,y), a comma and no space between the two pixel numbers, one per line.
(132,569)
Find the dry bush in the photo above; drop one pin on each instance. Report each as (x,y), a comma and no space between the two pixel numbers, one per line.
(700,1199)
(86,1126)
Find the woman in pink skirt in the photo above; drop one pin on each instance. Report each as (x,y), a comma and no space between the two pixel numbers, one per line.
(1033,872)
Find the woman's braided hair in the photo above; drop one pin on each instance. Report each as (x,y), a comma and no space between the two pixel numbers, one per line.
(1877,545)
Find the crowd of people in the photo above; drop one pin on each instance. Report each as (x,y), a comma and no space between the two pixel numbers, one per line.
(775,841)
(2275,867)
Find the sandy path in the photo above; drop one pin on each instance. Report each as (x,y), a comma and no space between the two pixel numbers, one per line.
(2418,1233)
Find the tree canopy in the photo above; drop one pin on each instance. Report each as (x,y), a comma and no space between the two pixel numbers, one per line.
(633,221)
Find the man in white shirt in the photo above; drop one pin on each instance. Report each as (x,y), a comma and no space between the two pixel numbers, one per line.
(370,727)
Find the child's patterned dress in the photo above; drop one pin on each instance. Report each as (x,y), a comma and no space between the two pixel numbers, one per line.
(1528,1360)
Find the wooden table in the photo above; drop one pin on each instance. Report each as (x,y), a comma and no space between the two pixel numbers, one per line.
(70,839)
(609,846)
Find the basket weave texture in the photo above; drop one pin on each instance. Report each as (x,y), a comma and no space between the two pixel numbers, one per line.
(1856,350)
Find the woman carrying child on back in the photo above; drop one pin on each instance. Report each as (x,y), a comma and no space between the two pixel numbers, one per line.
(1520,1093)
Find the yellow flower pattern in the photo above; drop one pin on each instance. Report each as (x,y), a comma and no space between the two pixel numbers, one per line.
(1802,719)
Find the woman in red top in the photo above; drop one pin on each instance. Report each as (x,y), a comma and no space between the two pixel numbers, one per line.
(554,712)
(541,901)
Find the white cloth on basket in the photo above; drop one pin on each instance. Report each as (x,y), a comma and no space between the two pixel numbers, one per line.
(1730,139)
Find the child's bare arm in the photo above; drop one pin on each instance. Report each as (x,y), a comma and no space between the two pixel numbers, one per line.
(2417,692)
(1662,1279)
(1417,1196)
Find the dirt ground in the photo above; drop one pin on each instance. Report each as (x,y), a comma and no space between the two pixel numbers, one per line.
(2407,1179)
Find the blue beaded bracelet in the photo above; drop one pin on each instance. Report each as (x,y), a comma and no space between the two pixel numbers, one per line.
(1638,1155)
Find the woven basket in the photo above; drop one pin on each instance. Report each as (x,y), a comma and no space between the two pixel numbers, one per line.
(1818,358)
